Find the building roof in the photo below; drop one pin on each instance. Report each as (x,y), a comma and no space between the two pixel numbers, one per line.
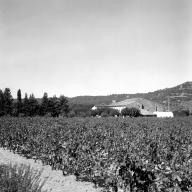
(132,101)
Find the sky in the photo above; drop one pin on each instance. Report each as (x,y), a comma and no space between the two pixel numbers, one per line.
(94,47)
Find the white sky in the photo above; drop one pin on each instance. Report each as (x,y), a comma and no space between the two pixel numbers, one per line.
(94,47)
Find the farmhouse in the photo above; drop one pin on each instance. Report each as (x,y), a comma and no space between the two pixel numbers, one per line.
(146,107)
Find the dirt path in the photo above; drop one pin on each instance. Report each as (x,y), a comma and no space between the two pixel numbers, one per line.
(56,182)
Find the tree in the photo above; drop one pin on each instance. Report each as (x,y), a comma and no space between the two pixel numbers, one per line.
(25,107)
(8,101)
(33,105)
(19,103)
(63,104)
(80,110)
(114,112)
(19,96)
(54,106)
(131,112)
(44,104)
(2,103)
(30,105)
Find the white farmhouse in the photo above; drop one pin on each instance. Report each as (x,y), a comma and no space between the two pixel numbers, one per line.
(145,106)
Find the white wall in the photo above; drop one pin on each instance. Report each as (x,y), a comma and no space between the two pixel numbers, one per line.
(94,108)
(118,108)
(163,114)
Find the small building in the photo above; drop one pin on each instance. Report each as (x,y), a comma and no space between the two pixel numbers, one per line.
(163,114)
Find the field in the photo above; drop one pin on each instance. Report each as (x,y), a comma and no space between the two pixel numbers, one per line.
(119,154)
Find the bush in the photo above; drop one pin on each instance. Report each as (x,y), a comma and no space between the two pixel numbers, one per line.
(14,178)
(105,112)
(80,110)
(131,112)
(181,113)
(71,114)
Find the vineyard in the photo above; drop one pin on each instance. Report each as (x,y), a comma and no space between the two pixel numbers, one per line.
(117,154)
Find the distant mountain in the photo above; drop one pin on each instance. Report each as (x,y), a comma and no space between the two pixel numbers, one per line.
(180,97)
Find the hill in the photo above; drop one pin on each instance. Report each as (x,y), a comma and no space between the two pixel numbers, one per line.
(180,97)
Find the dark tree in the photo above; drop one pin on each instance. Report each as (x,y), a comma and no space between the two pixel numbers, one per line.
(80,110)
(54,107)
(2,103)
(44,104)
(131,112)
(8,101)
(19,96)
(33,105)
(25,108)
(19,103)
(114,112)
(64,106)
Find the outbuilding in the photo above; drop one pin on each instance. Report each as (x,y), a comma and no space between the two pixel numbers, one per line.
(164,114)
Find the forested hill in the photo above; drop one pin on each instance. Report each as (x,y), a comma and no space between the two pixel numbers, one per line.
(180,97)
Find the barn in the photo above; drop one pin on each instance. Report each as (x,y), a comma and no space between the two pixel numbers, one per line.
(146,107)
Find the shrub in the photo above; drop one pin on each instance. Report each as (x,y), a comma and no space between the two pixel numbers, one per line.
(131,112)
(80,110)
(105,112)
(14,178)
(181,113)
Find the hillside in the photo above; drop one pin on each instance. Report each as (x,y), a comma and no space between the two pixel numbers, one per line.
(180,97)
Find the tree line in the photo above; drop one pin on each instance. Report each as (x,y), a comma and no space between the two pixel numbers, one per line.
(106,112)
(53,106)
(30,106)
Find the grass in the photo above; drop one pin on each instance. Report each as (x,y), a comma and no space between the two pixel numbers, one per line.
(20,178)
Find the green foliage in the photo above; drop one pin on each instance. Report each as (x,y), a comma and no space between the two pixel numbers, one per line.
(44,105)
(19,99)
(131,112)
(30,106)
(25,108)
(63,105)
(181,113)
(58,106)
(33,105)
(105,112)
(54,106)
(2,103)
(8,101)
(14,178)
(133,154)
(18,103)
(80,110)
